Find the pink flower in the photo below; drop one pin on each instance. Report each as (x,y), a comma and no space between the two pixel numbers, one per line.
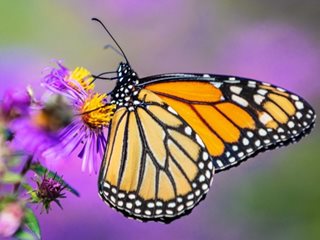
(10,219)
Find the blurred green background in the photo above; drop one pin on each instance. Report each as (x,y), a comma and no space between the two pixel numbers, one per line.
(274,196)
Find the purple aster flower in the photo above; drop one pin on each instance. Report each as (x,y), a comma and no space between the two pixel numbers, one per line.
(15,103)
(28,125)
(92,113)
(37,134)
(49,189)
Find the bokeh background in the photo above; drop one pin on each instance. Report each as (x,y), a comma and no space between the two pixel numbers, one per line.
(274,196)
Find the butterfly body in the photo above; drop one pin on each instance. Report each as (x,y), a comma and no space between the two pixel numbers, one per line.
(171,132)
(125,91)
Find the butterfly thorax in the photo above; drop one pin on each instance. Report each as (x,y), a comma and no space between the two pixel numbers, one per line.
(125,91)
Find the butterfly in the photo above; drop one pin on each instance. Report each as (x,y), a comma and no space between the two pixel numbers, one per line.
(171,132)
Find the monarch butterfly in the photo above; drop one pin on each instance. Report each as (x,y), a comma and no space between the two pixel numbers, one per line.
(171,132)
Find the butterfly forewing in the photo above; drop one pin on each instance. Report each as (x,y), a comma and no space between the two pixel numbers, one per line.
(156,167)
(235,117)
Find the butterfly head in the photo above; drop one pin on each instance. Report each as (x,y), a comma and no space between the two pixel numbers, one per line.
(127,81)
(124,69)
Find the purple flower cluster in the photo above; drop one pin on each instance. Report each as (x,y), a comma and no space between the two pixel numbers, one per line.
(35,131)
(49,190)
(92,113)
(72,118)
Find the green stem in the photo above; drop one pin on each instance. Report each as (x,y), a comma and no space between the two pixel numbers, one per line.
(23,172)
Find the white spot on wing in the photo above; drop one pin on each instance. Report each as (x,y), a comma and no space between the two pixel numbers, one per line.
(252,84)
(245,141)
(204,186)
(220,164)
(265,118)
(241,154)
(180,208)
(190,196)
(235,89)
(132,196)
(232,80)
(199,140)
(137,211)
(291,124)
(217,84)
(281,89)
(171,205)
(299,115)
(172,110)
(205,156)
(210,165)
(189,203)
(147,212)
(299,105)
(241,101)
(262,91)
(250,134)
(202,178)
(258,99)
(121,195)
(188,130)
(201,165)
(150,205)
(262,132)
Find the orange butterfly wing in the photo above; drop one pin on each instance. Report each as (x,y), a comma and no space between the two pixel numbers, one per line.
(153,169)
(235,117)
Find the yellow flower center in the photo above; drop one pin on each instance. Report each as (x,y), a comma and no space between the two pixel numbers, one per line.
(83,77)
(96,113)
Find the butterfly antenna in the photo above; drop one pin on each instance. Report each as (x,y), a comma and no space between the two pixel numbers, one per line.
(105,28)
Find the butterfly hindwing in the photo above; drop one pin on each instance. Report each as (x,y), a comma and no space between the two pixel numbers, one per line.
(235,117)
(155,167)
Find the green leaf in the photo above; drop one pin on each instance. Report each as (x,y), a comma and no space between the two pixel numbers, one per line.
(27,187)
(32,223)
(41,171)
(11,177)
(23,235)
(31,192)
(34,197)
